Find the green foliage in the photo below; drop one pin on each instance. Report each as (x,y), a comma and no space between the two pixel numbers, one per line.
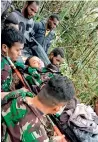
(78,34)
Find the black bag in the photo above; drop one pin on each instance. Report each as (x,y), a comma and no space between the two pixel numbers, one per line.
(5,5)
(65,129)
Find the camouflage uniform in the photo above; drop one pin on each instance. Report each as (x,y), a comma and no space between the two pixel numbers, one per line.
(6,75)
(36,77)
(9,79)
(21,122)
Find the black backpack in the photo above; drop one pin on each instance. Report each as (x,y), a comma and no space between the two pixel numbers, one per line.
(4,14)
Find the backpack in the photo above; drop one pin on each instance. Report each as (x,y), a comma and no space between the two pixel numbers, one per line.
(5,5)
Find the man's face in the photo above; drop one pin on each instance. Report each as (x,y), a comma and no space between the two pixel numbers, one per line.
(52,23)
(34,62)
(56,60)
(15,51)
(31,10)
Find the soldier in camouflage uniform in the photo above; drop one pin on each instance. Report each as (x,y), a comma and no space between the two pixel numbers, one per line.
(22,113)
(12,41)
(21,120)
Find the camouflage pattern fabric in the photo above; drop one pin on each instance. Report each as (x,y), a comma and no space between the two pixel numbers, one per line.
(6,75)
(46,74)
(36,77)
(15,82)
(33,77)
(22,122)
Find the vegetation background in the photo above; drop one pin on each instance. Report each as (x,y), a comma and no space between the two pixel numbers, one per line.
(78,34)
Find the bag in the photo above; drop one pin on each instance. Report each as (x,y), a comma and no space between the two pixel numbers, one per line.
(5,5)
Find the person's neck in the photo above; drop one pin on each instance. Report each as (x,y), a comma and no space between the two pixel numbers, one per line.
(36,103)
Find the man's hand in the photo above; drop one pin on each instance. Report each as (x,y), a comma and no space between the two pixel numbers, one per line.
(59,138)
(24,89)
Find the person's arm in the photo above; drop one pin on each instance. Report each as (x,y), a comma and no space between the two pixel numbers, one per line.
(36,27)
(6,78)
(6,96)
(58,139)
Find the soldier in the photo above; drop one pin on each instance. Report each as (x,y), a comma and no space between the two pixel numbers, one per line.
(22,114)
(12,42)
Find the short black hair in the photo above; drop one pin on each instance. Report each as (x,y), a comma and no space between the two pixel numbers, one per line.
(11,35)
(58,51)
(59,89)
(54,16)
(30,2)
(27,60)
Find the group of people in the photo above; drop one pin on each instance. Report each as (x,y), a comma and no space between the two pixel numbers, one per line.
(24,46)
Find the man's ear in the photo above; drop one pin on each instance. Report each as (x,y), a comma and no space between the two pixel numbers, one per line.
(56,108)
(51,55)
(4,48)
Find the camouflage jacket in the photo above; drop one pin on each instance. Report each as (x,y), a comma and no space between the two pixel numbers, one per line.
(36,77)
(21,122)
(6,75)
